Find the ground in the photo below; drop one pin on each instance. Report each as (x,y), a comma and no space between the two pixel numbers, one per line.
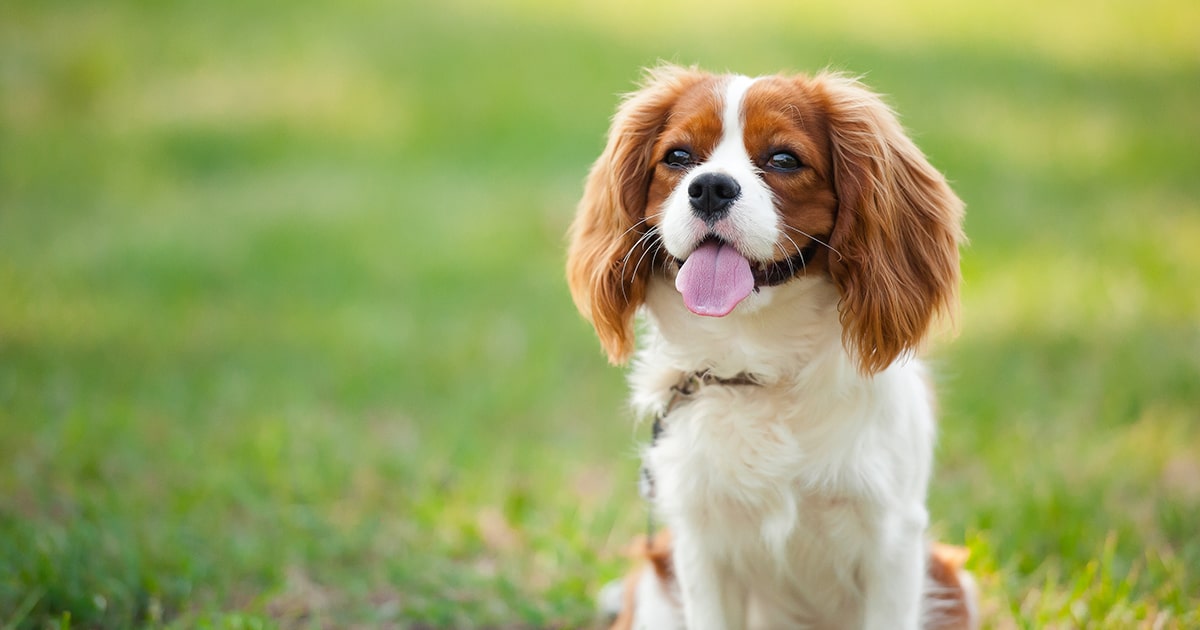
(285,340)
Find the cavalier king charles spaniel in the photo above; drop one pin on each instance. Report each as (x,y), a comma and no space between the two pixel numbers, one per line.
(789,248)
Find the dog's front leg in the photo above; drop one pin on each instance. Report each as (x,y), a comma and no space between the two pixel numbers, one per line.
(712,598)
(895,574)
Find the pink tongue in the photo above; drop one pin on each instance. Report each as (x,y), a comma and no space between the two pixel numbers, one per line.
(714,278)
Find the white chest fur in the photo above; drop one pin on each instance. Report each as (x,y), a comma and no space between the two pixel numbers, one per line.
(792,486)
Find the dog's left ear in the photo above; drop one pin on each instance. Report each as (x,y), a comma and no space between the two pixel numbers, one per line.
(897,230)
(607,234)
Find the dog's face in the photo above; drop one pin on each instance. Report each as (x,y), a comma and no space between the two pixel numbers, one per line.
(732,184)
(744,203)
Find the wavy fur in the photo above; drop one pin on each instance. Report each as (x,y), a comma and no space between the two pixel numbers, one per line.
(798,502)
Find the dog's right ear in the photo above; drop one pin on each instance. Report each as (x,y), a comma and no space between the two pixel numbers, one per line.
(897,233)
(608,224)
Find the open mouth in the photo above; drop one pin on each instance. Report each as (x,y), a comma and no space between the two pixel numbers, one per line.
(769,273)
(715,277)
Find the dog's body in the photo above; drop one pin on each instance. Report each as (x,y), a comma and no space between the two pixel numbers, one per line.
(785,240)
(796,497)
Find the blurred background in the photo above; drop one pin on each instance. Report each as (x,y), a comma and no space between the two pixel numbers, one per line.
(285,340)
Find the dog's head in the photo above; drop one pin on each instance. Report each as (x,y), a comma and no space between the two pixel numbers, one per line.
(732,184)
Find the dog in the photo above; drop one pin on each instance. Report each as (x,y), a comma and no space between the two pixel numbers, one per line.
(789,249)
(648,596)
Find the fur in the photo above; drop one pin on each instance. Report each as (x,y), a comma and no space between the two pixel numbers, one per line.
(799,502)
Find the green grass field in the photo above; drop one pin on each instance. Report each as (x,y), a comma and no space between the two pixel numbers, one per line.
(285,341)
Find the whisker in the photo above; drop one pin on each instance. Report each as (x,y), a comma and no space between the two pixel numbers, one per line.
(799,251)
(641,258)
(791,267)
(815,239)
(647,251)
(648,234)
(643,236)
(625,261)
(643,220)
(768,265)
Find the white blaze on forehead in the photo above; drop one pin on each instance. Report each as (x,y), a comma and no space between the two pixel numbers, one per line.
(730,152)
(732,120)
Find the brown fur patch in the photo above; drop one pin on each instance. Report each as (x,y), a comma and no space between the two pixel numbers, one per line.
(951,599)
(605,245)
(783,115)
(897,233)
(652,554)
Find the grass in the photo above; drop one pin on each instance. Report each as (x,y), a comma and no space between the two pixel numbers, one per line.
(284,340)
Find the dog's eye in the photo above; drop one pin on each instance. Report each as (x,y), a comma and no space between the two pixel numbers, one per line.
(677,158)
(784,161)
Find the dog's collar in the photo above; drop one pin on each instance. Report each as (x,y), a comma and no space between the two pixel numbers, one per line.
(692,382)
(688,385)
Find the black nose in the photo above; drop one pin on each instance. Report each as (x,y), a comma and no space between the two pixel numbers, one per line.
(711,194)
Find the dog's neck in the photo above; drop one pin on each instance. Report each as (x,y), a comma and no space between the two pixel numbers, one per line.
(785,336)
(772,334)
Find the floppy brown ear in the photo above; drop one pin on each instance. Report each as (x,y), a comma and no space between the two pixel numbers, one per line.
(897,230)
(601,262)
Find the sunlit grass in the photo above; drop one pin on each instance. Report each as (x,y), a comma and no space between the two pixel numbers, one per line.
(285,341)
